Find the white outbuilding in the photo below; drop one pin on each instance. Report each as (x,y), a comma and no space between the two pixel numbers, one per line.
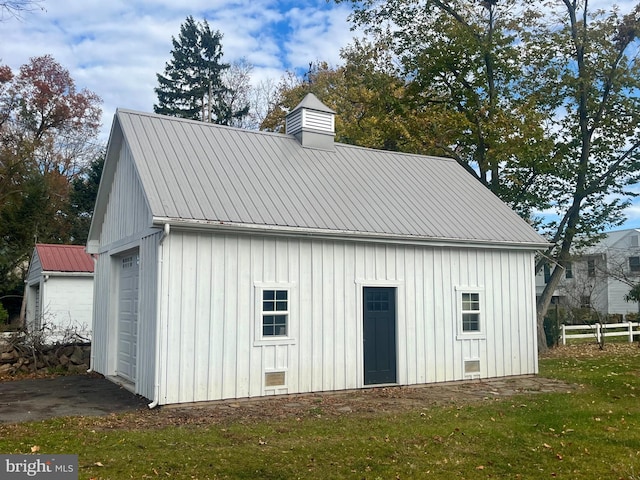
(236,263)
(58,300)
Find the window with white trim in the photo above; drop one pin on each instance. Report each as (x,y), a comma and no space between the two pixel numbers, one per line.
(275,312)
(470,312)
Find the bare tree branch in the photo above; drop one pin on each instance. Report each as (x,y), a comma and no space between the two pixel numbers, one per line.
(17,8)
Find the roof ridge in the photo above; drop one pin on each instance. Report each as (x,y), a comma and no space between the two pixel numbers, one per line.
(66,245)
(198,122)
(276,134)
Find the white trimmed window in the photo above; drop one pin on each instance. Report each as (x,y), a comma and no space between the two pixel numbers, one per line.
(470,312)
(470,302)
(274,302)
(275,312)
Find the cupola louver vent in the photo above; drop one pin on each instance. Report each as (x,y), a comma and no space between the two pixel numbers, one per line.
(312,123)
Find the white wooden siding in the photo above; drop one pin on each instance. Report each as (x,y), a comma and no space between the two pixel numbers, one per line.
(209,349)
(67,303)
(101,347)
(33,292)
(615,294)
(35,270)
(147,316)
(126,222)
(127,211)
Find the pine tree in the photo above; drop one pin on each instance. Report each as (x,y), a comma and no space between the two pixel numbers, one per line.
(192,85)
(82,199)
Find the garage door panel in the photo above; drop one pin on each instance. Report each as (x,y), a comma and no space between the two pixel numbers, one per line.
(128,316)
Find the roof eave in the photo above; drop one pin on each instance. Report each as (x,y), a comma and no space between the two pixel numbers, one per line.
(232,227)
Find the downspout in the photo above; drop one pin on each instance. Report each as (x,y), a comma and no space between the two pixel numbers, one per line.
(156,388)
(93,313)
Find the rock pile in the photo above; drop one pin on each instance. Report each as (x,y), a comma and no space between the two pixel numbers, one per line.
(17,358)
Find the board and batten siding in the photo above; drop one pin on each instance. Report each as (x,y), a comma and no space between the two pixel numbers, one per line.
(34,294)
(126,230)
(102,312)
(209,310)
(147,315)
(127,210)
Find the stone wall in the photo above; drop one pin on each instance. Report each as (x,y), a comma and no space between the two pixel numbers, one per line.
(21,359)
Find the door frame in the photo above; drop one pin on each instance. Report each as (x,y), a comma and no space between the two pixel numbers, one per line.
(400,325)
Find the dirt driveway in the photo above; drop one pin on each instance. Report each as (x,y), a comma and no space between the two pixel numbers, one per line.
(92,395)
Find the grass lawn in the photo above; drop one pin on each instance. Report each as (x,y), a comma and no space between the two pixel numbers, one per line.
(591,433)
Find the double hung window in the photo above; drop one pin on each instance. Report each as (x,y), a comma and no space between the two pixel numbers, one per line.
(471,312)
(275,313)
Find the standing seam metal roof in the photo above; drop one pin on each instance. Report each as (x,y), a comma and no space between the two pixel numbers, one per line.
(64,258)
(205,172)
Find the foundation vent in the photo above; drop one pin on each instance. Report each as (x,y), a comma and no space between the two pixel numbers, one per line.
(274,379)
(472,368)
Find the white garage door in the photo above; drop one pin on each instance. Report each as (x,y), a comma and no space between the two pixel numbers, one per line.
(128,316)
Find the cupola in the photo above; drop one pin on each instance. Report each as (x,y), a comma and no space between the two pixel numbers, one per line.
(312,123)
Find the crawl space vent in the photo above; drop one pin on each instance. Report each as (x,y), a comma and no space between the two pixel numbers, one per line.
(274,379)
(472,367)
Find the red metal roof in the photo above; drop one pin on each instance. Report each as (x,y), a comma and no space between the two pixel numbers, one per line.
(64,258)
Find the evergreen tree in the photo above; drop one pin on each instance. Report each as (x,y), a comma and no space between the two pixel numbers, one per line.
(82,199)
(192,85)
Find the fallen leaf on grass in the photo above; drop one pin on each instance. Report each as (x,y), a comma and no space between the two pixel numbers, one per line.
(546,445)
(35,449)
(98,464)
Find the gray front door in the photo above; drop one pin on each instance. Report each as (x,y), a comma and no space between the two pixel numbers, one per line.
(379,335)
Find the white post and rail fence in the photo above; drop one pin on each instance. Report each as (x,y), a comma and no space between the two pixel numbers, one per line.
(600,330)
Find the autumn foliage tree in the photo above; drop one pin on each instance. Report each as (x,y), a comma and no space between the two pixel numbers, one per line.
(367,91)
(48,130)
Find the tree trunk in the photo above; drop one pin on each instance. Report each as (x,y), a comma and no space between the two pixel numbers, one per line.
(542,306)
(564,256)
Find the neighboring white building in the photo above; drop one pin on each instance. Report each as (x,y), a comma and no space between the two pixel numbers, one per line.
(59,291)
(235,263)
(598,279)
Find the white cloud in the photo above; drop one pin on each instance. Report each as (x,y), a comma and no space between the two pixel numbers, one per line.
(116,48)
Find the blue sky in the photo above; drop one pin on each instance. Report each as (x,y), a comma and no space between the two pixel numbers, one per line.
(116,47)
